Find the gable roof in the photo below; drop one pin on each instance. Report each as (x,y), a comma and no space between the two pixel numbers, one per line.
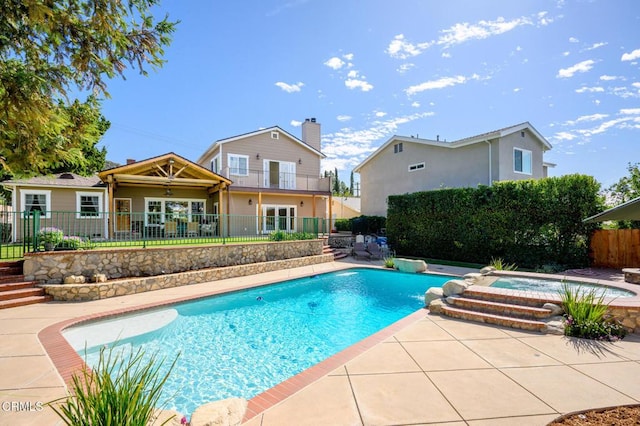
(255,133)
(59,180)
(505,131)
(164,170)
(625,211)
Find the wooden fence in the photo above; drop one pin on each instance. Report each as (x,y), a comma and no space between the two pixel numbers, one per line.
(615,248)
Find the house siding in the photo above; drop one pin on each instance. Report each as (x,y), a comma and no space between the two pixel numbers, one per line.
(387,173)
(505,156)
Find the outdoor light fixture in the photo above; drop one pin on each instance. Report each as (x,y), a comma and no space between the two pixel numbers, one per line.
(250,202)
(168,192)
(257,156)
(299,160)
(301,203)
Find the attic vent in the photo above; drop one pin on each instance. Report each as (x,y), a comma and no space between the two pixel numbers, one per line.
(275,135)
(66,176)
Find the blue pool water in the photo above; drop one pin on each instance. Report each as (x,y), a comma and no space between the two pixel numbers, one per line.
(243,343)
(556,286)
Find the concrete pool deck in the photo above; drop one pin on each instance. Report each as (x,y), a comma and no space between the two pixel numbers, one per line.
(426,369)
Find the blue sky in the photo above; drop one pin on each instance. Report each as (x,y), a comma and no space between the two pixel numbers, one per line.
(369,70)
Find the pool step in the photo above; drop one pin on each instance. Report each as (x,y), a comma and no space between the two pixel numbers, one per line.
(505,321)
(498,308)
(513,309)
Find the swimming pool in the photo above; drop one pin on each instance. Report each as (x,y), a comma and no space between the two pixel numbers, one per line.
(243,343)
(556,286)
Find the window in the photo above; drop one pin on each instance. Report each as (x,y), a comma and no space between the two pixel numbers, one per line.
(414,167)
(88,205)
(521,161)
(161,210)
(215,164)
(238,164)
(397,148)
(33,200)
(275,135)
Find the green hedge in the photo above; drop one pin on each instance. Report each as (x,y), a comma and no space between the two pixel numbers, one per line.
(362,224)
(532,223)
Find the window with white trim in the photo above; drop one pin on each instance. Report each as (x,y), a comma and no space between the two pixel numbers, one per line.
(36,200)
(522,161)
(414,167)
(215,164)
(238,164)
(160,210)
(88,205)
(397,148)
(275,135)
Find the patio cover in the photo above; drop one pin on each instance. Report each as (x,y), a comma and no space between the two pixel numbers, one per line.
(625,211)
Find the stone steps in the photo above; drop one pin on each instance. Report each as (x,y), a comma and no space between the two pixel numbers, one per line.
(513,309)
(505,321)
(484,306)
(15,291)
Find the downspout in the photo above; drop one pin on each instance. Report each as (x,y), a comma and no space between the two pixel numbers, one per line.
(490,159)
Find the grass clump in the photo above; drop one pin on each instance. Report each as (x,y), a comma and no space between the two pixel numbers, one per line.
(501,265)
(123,390)
(389,262)
(586,315)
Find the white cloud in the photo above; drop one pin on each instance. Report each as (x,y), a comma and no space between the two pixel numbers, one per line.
(583,66)
(586,118)
(296,123)
(402,49)
(573,40)
(630,111)
(596,45)
(380,114)
(636,85)
(624,92)
(446,55)
(415,104)
(608,77)
(348,56)
(352,74)
(343,118)
(405,67)
(439,84)
(290,88)
(348,147)
(631,56)
(564,136)
(462,32)
(353,83)
(517,89)
(585,89)
(543,19)
(334,63)
(566,53)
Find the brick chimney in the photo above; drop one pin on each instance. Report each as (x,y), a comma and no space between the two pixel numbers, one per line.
(311,133)
(130,161)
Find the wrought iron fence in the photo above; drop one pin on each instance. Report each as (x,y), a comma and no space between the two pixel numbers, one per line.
(25,232)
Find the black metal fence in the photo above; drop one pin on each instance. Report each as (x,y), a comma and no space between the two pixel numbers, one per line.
(24,232)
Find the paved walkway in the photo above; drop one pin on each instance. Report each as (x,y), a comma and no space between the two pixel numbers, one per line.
(433,371)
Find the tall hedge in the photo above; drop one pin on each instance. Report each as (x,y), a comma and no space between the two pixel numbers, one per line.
(532,223)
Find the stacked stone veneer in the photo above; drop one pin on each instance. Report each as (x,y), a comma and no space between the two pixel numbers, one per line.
(166,266)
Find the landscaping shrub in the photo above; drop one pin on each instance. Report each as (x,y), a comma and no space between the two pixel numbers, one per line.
(121,390)
(529,223)
(368,224)
(586,315)
(291,236)
(343,225)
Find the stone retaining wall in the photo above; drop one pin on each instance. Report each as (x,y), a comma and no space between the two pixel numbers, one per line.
(95,291)
(53,267)
(629,316)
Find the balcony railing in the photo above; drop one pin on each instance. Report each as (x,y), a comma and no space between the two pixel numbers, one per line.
(276,180)
(20,232)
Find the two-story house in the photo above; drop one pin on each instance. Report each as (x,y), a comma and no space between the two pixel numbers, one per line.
(410,164)
(276,178)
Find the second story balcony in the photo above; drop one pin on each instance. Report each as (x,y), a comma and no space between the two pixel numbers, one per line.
(259,179)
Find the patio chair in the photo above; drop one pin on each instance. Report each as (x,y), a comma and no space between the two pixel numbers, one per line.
(374,250)
(193,229)
(170,229)
(359,250)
